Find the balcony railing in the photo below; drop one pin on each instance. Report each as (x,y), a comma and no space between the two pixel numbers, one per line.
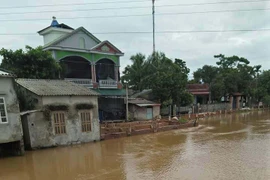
(107,84)
(85,82)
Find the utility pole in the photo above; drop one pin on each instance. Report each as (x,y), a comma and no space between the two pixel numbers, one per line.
(154,30)
(126,102)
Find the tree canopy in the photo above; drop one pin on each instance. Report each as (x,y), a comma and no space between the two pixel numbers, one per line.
(166,78)
(32,63)
(263,87)
(232,74)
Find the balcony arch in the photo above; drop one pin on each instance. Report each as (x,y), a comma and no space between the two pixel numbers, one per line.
(76,67)
(105,69)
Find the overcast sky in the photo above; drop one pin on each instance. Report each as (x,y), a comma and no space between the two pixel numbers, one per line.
(196,49)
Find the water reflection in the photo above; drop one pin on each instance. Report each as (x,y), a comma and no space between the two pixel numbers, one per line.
(233,146)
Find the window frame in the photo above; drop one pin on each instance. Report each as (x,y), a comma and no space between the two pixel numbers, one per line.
(59,124)
(84,124)
(5,109)
(82,43)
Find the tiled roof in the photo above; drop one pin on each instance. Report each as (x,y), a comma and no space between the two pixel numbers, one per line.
(198,87)
(140,101)
(142,93)
(62,25)
(42,87)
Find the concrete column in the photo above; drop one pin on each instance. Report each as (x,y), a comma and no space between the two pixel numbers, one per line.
(116,70)
(238,102)
(231,102)
(93,70)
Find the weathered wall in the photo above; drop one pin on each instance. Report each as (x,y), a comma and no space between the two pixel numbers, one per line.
(11,131)
(42,131)
(156,111)
(140,113)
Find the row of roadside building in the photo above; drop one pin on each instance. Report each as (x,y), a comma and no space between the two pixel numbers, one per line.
(38,113)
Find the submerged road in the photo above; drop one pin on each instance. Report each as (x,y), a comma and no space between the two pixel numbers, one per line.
(222,147)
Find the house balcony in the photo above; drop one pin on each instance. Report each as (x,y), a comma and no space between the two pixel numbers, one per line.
(84,82)
(103,84)
(108,84)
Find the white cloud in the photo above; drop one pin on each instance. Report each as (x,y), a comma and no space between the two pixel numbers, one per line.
(196,49)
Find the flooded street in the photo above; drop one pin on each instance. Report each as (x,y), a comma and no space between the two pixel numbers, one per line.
(222,147)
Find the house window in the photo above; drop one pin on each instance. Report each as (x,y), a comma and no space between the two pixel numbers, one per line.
(82,43)
(3,111)
(59,123)
(86,121)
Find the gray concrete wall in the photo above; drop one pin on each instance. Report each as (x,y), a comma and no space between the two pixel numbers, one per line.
(214,107)
(156,111)
(11,131)
(74,41)
(140,113)
(202,108)
(41,130)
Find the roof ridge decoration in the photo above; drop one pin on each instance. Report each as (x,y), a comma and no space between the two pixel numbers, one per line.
(107,47)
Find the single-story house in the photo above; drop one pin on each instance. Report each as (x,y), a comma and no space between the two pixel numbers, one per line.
(237,100)
(11,134)
(62,113)
(200,93)
(141,109)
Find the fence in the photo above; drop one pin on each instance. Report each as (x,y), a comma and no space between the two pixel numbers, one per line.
(195,109)
(116,130)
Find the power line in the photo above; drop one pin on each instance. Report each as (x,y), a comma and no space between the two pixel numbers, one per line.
(215,11)
(72,4)
(75,10)
(158,32)
(140,15)
(222,2)
(122,2)
(133,7)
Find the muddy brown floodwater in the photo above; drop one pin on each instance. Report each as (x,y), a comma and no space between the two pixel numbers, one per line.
(223,147)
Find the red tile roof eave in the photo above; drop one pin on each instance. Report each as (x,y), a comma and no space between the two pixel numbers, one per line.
(200,93)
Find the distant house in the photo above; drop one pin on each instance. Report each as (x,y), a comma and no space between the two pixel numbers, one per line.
(141,109)
(200,93)
(90,62)
(237,100)
(11,134)
(62,113)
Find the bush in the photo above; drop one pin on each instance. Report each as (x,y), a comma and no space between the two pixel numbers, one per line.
(182,120)
(84,106)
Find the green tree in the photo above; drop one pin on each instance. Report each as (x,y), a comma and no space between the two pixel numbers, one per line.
(135,74)
(32,63)
(263,86)
(206,74)
(166,78)
(232,74)
(237,74)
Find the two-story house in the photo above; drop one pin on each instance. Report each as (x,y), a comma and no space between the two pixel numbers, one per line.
(88,61)
(11,134)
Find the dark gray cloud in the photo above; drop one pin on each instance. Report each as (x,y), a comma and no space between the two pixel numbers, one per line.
(196,49)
